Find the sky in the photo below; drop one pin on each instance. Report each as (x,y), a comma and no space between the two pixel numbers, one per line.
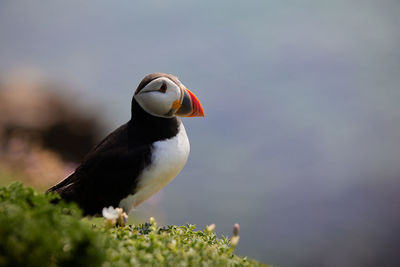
(300,143)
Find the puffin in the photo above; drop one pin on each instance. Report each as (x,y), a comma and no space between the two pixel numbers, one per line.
(140,157)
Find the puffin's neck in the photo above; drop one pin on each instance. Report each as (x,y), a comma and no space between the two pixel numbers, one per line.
(151,128)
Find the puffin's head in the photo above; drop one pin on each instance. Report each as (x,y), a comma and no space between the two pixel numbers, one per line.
(163,95)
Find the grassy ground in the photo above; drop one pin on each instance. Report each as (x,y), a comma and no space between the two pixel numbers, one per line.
(34,232)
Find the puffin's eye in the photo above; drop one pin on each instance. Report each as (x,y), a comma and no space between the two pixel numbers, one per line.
(163,88)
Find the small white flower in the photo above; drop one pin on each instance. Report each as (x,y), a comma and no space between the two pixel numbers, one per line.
(210,228)
(235,238)
(110,213)
(115,216)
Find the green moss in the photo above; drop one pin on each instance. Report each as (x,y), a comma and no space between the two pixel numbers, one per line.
(34,232)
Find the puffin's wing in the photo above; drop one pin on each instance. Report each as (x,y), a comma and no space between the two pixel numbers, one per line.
(102,146)
(107,174)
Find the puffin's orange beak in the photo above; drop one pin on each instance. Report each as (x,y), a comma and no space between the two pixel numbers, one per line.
(191,106)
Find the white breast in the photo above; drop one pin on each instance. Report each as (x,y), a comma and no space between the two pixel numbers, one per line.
(168,158)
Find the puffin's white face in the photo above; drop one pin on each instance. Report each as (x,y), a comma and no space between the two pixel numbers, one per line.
(162,97)
(158,97)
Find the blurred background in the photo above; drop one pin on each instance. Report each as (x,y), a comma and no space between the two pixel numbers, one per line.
(301,140)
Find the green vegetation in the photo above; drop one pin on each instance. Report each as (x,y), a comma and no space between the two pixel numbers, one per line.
(34,232)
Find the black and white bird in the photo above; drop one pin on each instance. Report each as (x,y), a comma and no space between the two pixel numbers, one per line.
(140,157)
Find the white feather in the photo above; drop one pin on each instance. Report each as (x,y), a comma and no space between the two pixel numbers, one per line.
(168,158)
